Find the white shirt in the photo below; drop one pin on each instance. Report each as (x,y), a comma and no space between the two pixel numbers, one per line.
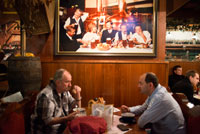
(140,39)
(90,36)
(124,36)
(83,17)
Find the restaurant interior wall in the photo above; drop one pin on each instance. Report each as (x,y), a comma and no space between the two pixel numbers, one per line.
(114,78)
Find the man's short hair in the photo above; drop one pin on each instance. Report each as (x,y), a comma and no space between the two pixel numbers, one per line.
(175,67)
(151,77)
(59,74)
(190,73)
(109,21)
(79,9)
(69,28)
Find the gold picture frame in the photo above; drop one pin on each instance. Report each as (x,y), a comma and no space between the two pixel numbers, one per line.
(145,10)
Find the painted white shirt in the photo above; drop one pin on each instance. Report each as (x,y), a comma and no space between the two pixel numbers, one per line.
(90,36)
(83,17)
(140,39)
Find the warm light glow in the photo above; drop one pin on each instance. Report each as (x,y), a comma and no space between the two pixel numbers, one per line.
(99,5)
(121,5)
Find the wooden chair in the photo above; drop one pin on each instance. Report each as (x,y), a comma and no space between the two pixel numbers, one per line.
(192,116)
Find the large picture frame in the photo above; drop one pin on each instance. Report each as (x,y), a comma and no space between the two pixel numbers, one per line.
(132,13)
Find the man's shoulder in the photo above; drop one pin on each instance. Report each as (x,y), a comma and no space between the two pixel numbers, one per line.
(47,91)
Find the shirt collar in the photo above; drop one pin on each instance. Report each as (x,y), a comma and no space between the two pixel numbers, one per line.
(75,19)
(154,92)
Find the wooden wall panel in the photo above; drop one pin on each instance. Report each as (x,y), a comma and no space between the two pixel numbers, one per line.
(114,78)
(117,83)
(185,65)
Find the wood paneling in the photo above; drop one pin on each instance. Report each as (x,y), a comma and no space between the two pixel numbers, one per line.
(116,82)
(185,66)
(114,78)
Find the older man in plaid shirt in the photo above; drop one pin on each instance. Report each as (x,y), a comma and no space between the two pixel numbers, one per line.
(53,104)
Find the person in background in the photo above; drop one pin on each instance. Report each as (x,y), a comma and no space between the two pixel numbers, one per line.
(140,36)
(175,77)
(108,32)
(67,43)
(122,34)
(90,36)
(54,103)
(160,111)
(187,85)
(77,21)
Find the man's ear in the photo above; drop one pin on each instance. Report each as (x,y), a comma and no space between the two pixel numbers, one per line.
(151,84)
(190,77)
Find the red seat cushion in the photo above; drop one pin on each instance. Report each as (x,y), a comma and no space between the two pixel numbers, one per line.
(88,125)
(14,124)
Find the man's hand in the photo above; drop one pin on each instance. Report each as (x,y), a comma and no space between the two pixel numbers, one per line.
(71,116)
(77,92)
(124,109)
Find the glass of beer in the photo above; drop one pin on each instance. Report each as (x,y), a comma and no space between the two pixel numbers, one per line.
(124,42)
(93,44)
(108,41)
(97,41)
(130,43)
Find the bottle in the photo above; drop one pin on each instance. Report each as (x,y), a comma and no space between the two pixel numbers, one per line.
(187,55)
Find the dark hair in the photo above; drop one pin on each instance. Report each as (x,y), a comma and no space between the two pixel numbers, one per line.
(151,77)
(191,73)
(79,9)
(175,68)
(69,28)
(109,21)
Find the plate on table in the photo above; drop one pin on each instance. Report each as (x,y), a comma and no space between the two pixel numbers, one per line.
(103,47)
(81,111)
(128,118)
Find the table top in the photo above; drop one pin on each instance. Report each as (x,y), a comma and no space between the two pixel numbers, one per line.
(134,128)
(137,49)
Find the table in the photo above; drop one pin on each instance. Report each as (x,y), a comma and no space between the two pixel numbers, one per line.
(117,50)
(134,127)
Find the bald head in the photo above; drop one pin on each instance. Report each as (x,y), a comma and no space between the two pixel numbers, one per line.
(62,79)
(59,74)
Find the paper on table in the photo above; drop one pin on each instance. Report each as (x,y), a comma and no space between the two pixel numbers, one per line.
(16,97)
(114,129)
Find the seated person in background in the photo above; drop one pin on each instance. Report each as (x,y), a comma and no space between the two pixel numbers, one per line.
(186,86)
(54,103)
(176,76)
(90,36)
(77,21)
(108,32)
(67,43)
(140,36)
(160,110)
(122,36)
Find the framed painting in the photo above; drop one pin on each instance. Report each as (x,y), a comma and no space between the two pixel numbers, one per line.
(106,27)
